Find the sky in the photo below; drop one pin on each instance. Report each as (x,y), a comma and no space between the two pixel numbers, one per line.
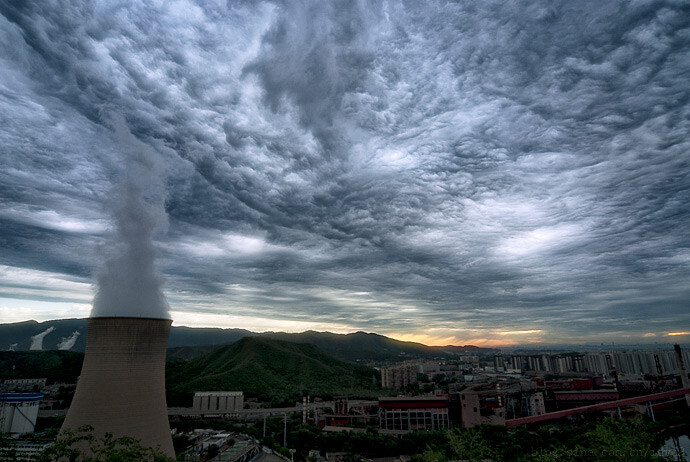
(488,173)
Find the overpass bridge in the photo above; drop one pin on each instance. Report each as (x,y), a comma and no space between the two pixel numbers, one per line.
(247,414)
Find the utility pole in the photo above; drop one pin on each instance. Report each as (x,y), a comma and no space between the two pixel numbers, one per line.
(304,410)
(285,430)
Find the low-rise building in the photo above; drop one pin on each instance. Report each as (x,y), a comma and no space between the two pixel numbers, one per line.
(23,384)
(404,414)
(479,408)
(217,439)
(346,415)
(18,412)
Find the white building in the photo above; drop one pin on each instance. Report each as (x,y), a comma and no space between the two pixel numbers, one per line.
(218,401)
(18,412)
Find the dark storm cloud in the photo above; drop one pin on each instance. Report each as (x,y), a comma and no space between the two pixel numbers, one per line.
(503,166)
(314,55)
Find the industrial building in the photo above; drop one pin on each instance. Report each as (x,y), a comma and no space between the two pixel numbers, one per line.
(346,414)
(404,414)
(220,402)
(480,407)
(492,404)
(18,412)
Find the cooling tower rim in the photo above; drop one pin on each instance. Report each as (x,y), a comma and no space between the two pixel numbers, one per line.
(130,317)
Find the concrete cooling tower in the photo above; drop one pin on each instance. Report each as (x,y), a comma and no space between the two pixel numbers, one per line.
(121,388)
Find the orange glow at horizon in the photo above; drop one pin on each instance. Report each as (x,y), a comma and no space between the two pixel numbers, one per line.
(432,340)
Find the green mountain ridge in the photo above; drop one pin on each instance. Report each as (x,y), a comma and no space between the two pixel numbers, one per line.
(274,371)
(362,346)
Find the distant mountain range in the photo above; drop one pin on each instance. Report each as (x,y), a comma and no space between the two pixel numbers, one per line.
(187,342)
(61,334)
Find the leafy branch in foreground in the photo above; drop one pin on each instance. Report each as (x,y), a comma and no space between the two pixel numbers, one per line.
(83,446)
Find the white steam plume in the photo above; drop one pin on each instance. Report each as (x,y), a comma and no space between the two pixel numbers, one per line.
(37,340)
(129,285)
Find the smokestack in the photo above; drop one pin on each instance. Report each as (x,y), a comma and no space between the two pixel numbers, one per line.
(121,389)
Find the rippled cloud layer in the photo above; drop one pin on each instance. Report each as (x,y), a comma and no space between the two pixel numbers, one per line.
(493,172)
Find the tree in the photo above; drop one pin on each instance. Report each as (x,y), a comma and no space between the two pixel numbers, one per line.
(470,443)
(632,440)
(212,451)
(7,449)
(83,446)
(430,455)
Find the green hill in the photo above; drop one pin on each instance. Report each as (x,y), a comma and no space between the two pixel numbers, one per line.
(56,366)
(272,370)
(186,353)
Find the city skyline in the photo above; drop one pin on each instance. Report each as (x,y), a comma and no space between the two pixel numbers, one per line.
(493,174)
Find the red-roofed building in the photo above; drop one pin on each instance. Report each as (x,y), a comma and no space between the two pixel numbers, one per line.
(404,414)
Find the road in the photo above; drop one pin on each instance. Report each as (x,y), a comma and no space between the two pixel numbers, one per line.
(243,413)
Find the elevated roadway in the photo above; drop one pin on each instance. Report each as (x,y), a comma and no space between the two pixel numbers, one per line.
(599,407)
